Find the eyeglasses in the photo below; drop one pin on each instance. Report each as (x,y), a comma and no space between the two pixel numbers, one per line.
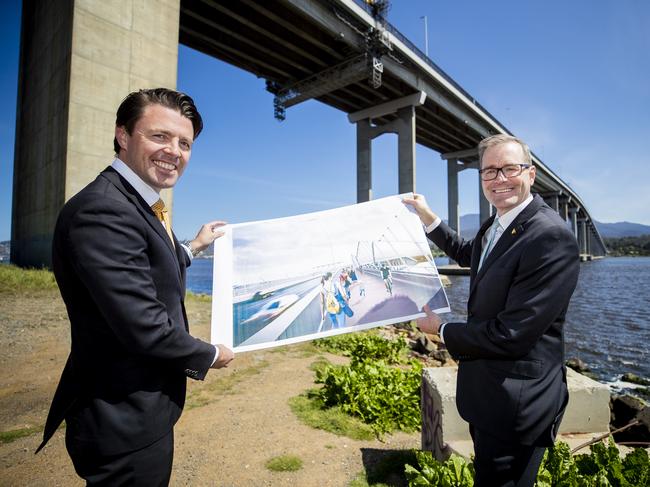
(509,171)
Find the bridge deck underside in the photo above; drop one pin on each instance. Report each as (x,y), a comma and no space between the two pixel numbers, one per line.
(286,41)
(280,45)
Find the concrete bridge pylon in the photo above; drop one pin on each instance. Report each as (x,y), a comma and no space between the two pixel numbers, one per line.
(78,60)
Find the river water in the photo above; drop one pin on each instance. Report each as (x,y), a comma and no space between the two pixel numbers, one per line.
(608,323)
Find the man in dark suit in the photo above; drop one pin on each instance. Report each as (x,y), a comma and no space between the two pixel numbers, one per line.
(121,273)
(524,268)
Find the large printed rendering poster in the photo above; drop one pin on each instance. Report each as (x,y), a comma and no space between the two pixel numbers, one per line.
(303,277)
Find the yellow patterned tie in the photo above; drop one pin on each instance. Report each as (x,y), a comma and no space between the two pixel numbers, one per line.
(161,213)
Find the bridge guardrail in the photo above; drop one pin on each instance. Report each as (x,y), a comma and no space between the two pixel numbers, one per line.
(393,30)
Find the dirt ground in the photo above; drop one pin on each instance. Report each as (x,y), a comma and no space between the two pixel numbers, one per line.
(234,421)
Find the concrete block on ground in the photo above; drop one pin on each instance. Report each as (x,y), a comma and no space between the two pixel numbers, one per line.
(588,408)
(444,431)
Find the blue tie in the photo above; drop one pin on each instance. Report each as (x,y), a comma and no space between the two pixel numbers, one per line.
(490,240)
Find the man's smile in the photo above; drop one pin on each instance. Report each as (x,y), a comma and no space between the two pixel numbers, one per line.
(164,165)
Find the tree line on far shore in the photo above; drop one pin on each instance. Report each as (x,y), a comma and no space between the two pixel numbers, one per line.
(633,246)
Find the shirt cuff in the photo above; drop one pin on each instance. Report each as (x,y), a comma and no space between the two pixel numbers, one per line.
(433,226)
(216,354)
(188,252)
(442,328)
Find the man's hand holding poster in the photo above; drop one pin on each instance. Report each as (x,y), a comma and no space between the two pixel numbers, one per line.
(303,277)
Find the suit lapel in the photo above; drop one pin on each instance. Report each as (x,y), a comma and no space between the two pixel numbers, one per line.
(508,237)
(129,191)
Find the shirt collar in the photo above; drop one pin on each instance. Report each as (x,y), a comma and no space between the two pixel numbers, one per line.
(148,194)
(509,216)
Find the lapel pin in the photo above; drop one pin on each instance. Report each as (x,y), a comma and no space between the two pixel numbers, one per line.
(514,231)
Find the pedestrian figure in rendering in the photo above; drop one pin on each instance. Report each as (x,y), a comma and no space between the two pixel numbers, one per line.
(388,279)
(121,273)
(524,268)
(331,296)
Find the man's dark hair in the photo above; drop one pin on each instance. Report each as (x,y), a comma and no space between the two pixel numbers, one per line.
(131,109)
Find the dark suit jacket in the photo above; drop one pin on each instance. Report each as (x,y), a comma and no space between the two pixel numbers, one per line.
(511,374)
(123,283)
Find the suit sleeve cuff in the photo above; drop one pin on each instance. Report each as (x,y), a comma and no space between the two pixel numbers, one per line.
(435,224)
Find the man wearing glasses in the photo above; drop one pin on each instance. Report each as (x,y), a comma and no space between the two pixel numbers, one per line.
(524,268)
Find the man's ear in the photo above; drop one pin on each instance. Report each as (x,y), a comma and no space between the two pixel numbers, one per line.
(533,173)
(122,137)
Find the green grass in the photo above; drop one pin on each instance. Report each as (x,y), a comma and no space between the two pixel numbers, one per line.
(14,279)
(319,364)
(199,297)
(311,411)
(361,481)
(295,350)
(13,435)
(385,468)
(284,463)
(207,392)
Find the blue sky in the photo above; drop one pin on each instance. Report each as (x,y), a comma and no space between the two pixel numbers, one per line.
(570,78)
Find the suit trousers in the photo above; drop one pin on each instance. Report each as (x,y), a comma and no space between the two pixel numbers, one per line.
(150,466)
(501,463)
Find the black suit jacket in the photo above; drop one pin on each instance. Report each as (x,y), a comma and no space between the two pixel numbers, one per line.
(511,374)
(123,283)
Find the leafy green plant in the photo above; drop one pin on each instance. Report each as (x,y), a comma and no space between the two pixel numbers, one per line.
(384,397)
(365,346)
(454,472)
(603,466)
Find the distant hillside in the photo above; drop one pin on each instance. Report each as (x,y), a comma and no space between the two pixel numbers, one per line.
(622,229)
(469,225)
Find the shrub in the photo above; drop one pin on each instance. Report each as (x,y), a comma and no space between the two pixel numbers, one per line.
(365,346)
(382,396)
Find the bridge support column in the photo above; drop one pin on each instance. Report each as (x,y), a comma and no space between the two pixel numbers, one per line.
(406,149)
(484,206)
(564,208)
(452,194)
(78,60)
(403,126)
(552,200)
(573,215)
(364,161)
(468,158)
(582,235)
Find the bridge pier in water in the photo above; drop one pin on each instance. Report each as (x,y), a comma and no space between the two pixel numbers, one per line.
(403,126)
